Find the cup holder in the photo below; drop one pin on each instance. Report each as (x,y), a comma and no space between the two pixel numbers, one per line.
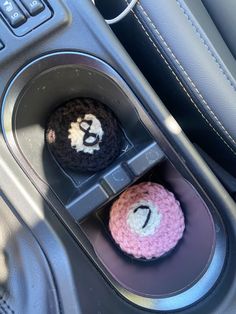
(45,85)
(176,280)
(180,277)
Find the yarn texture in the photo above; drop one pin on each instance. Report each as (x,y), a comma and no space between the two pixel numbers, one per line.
(146,221)
(84,135)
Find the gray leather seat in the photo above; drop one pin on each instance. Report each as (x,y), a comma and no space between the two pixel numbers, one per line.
(187,50)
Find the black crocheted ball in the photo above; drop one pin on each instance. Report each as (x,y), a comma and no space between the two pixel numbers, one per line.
(84,135)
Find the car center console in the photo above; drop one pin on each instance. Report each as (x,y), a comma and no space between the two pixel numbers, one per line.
(23,16)
(54,51)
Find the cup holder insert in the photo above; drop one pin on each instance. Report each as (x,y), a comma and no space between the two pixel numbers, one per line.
(84,135)
(80,178)
(181,268)
(103,218)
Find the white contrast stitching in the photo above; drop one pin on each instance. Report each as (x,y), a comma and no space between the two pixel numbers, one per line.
(184,89)
(214,57)
(187,76)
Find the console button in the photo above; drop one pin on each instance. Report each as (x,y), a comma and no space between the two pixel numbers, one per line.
(87,202)
(146,159)
(12,13)
(33,6)
(117,179)
(1,45)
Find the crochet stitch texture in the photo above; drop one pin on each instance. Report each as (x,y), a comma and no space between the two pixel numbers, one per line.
(146,221)
(98,141)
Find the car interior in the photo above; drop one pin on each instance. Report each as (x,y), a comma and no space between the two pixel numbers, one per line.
(118,156)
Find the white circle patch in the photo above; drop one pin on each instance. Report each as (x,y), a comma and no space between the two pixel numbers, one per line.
(143,218)
(86,134)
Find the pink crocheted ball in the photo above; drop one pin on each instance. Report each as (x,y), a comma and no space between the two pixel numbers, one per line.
(146,221)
